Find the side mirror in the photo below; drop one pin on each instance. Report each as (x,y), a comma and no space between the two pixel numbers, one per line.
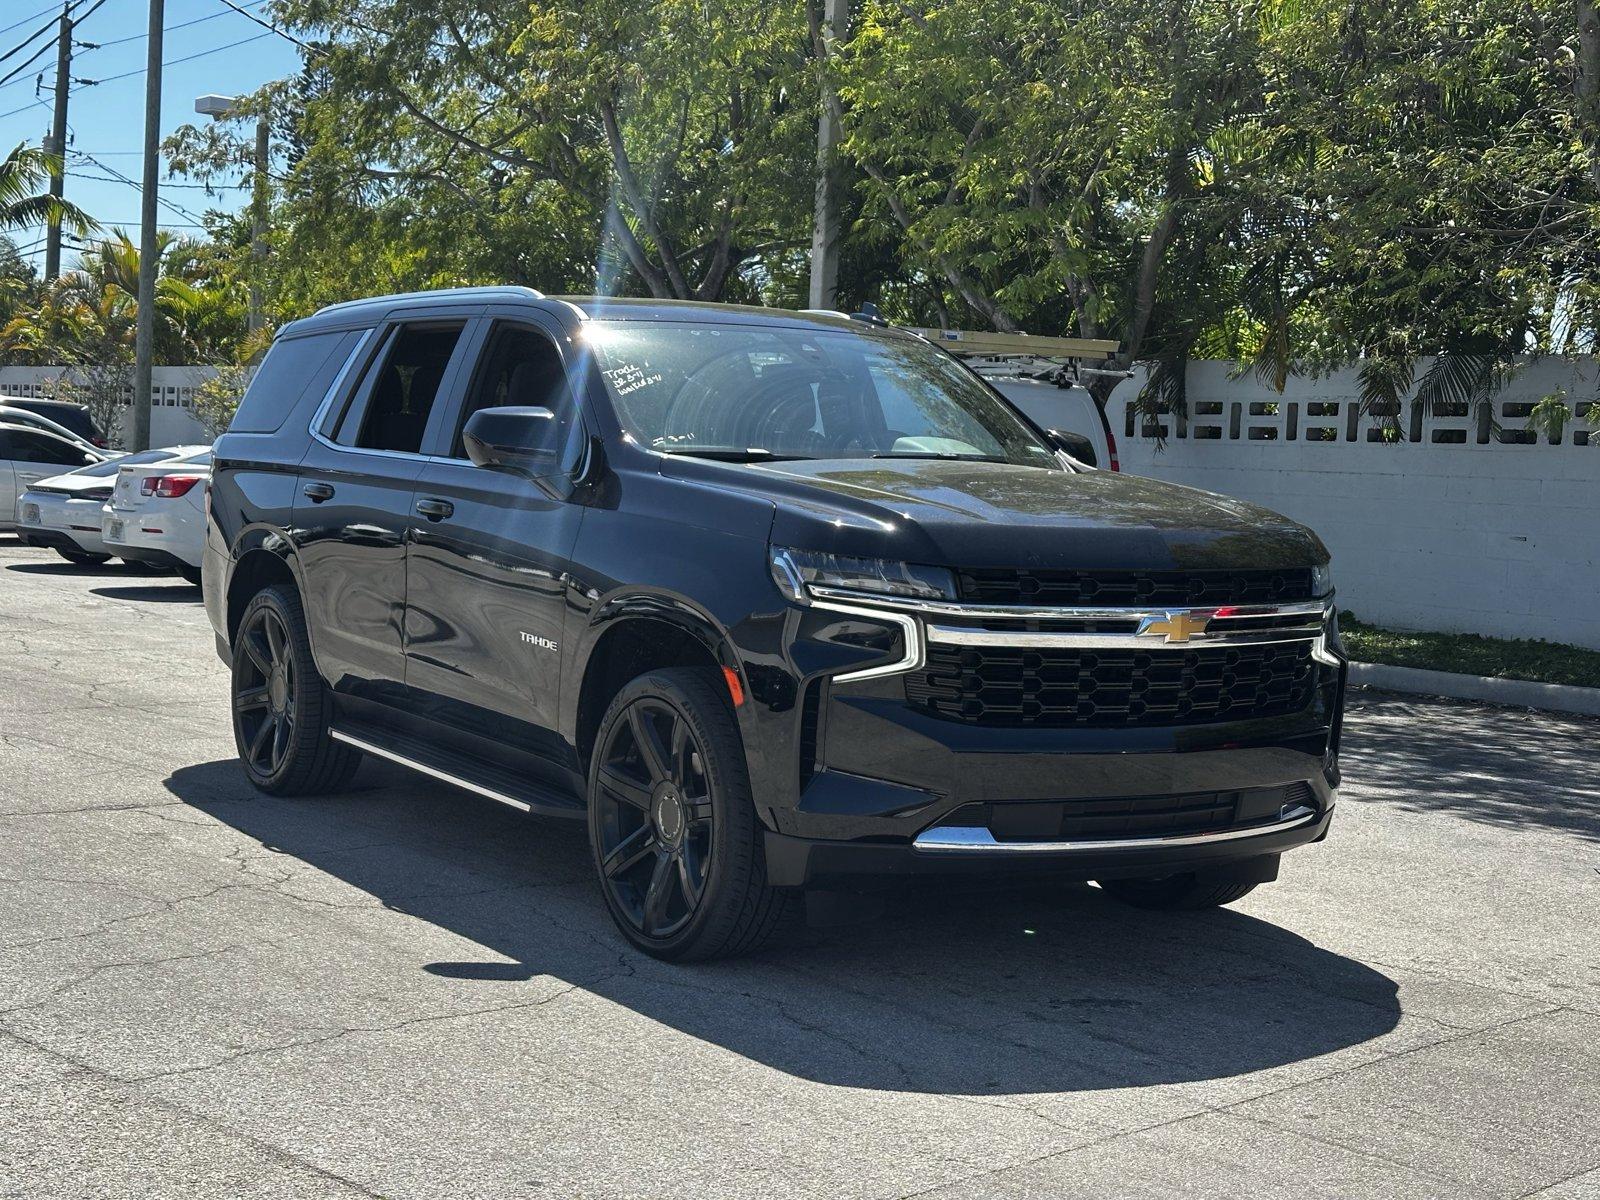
(1074,445)
(526,440)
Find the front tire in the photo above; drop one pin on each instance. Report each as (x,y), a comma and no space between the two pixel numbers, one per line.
(82,558)
(1175,893)
(280,704)
(673,826)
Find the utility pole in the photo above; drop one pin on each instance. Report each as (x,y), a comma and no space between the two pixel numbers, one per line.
(258,221)
(825,224)
(57,143)
(145,335)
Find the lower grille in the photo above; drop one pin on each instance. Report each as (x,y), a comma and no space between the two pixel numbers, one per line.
(1006,686)
(1131,816)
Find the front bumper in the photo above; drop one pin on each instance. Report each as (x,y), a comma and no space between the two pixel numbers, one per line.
(894,786)
(811,862)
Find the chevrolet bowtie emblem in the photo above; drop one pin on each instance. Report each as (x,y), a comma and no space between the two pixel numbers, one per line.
(1178,625)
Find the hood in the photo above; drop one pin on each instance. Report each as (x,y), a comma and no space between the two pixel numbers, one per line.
(973,514)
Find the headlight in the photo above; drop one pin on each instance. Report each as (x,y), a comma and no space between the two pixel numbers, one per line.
(1321,581)
(797,571)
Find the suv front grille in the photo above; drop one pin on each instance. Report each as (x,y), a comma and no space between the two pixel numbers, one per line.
(1107,688)
(1157,589)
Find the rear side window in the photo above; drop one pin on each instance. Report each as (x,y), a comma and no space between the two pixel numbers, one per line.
(294,369)
(391,409)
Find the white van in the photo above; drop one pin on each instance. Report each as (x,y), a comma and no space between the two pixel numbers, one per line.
(1067,407)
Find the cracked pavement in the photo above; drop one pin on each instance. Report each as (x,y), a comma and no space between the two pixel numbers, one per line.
(407,991)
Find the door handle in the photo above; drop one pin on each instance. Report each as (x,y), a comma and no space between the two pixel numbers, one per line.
(318,492)
(435,510)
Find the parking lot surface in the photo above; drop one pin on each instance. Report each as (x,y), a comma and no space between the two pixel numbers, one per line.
(407,991)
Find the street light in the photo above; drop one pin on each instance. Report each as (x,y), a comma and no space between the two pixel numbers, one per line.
(218,107)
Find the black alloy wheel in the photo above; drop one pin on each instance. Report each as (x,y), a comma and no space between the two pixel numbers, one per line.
(263,695)
(655,818)
(673,828)
(281,706)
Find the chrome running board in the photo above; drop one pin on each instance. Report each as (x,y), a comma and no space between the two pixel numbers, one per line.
(481,778)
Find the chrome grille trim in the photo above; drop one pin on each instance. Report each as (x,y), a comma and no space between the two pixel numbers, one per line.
(1065,639)
(1010,612)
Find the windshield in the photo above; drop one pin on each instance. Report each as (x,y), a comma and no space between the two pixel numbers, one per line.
(757,391)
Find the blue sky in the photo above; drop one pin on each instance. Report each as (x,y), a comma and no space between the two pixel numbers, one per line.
(107,120)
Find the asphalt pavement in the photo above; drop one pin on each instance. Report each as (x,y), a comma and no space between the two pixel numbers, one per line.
(407,991)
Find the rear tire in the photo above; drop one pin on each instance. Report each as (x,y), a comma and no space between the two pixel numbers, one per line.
(673,827)
(280,704)
(190,575)
(1175,893)
(82,558)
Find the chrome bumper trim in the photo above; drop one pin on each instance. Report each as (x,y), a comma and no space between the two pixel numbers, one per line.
(961,839)
(432,772)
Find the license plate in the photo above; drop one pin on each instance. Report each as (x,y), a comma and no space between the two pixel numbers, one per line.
(114,531)
(30,514)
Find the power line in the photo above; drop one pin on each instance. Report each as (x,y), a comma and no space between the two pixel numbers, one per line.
(37,54)
(139,37)
(49,8)
(169,62)
(309,49)
(22,45)
(25,108)
(119,177)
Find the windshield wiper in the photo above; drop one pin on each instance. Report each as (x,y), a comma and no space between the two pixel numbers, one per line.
(941,455)
(730,454)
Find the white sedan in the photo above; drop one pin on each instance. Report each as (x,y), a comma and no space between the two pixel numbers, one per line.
(63,512)
(157,512)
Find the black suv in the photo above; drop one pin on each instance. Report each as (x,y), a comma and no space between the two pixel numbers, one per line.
(775,601)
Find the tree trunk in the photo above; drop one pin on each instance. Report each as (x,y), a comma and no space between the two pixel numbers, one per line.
(1588,84)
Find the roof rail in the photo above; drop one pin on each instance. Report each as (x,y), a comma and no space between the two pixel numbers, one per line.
(462,293)
(986,344)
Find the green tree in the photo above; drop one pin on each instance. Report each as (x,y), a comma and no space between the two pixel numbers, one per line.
(24,195)
(657,148)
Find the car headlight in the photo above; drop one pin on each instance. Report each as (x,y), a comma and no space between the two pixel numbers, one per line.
(1322,581)
(796,572)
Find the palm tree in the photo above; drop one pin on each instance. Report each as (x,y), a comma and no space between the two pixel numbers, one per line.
(21,172)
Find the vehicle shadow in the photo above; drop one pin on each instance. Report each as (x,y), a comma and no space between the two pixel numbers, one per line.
(1501,766)
(82,570)
(954,990)
(171,593)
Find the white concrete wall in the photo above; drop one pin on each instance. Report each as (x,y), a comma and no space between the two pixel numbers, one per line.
(1437,531)
(171,396)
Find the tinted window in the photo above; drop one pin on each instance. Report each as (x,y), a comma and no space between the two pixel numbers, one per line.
(25,445)
(294,369)
(69,416)
(391,410)
(521,368)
